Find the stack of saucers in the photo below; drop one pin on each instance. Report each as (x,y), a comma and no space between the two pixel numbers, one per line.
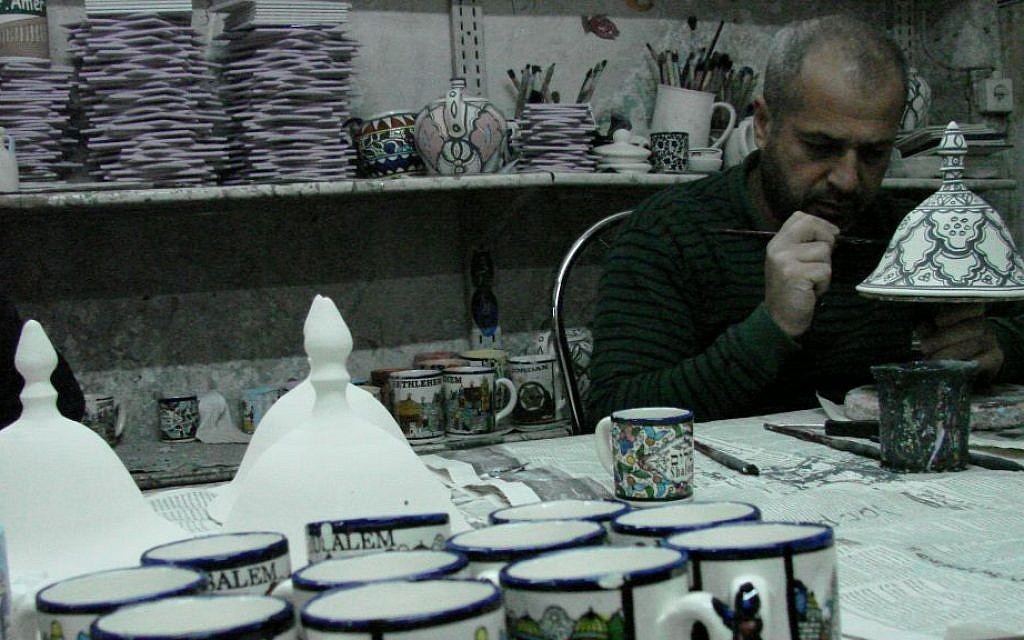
(147,107)
(287,90)
(556,137)
(33,110)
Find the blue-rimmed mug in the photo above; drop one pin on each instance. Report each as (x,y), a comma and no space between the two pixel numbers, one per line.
(251,562)
(601,511)
(65,609)
(355,536)
(642,589)
(650,526)
(442,609)
(649,452)
(491,548)
(778,578)
(312,580)
(210,617)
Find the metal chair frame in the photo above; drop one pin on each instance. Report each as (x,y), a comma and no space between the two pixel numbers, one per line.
(562,353)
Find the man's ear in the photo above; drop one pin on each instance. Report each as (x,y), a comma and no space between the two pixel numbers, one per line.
(762,121)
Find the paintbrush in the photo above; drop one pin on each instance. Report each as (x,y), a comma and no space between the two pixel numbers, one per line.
(726,459)
(547,83)
(583,87)
(800,432)
(598,70)
(768,235)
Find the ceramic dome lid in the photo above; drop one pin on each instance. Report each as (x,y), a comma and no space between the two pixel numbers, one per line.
(953,247)
(622,148)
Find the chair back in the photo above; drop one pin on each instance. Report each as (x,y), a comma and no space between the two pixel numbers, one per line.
(598,232)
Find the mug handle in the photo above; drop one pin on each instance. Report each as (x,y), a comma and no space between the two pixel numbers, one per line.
(696,606)
(512,398)
(119,416)
(603,443)
(717,144)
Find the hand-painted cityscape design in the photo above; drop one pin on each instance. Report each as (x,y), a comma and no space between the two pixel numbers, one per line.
(556,624)
(654,462)
(57,633)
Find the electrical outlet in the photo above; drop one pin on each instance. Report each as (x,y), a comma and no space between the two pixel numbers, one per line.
(996,95)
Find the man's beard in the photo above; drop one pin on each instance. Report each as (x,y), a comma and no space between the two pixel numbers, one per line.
(840,209)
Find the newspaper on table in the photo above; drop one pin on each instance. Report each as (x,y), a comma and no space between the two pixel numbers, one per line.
(920,555)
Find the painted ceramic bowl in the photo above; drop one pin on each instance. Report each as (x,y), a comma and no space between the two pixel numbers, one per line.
(386,145)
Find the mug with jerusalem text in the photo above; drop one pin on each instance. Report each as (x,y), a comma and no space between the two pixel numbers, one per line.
(649,451)
(355,536)
(104,415)
(248,562)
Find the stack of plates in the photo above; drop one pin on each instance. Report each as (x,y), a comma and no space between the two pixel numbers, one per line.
(33,110)
(123,7)
(268,13)
(556,137)
(147,107)
(286,90)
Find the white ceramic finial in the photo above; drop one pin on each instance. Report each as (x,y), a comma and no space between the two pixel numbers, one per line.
(328,342)
(35,359)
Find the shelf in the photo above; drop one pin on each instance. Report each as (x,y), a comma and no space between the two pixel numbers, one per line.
(108,198)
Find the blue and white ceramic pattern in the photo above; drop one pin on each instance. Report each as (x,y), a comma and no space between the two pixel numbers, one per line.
(210,617)
(650,526)
(252,562)
(65,609)
(356,536)
(602,511)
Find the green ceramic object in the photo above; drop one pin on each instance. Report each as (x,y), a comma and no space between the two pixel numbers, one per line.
(925,415)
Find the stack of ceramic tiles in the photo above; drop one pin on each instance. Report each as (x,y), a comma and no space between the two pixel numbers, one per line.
(148,110)
(286,85)
(33,110)
(556,137)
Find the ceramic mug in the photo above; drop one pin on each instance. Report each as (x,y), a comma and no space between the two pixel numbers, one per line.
(472,400)
(704,160)
(741,142)
(179,418)
(419,360)
(649,452)
(491,548)
(417,402)
(600,511)
(224,617)
(103,415)
(327,539)
(642,589)
(250,562)
(441,609)
(538,397)
(65,609)
(382,378)
(255,404)
(650,526)
(669,151)
(678,109)
(312,580)
(778,578)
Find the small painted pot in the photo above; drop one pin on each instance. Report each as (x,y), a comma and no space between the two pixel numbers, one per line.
(386,145)
(460,135)
(356,536)
(649,526)
(601,511)
(222,617)
(251,562)
(427,609)
(65,609)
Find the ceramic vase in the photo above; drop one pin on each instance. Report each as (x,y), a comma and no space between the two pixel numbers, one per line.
(919,101)
(460,135)
(387,147)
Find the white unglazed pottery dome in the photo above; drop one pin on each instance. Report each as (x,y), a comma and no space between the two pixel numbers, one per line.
(335,464)
(290,410)
(69,504)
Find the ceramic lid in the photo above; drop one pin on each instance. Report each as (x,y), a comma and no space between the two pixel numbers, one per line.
(952,247)
(622,148)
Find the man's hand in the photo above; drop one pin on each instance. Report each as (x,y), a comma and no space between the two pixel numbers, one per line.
(959,332)
(798,270)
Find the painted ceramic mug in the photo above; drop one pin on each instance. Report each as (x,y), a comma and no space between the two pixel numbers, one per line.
(600,511)
(491,548)
(179,418)
(355,536)
(223,617)
(538,400)
(103,415)
(67,608)
(778,578)
(251,562)
(442,609)
(650,526)
(649,452)
(417,402)
(638,592)
(669,151)
(473,405)
(312,580)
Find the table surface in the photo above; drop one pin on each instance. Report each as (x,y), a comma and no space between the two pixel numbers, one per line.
(918,553)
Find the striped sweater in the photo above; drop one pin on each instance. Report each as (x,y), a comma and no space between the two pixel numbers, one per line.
(681,321)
